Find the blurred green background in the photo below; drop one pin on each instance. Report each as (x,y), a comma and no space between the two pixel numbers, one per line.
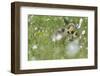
(40,44)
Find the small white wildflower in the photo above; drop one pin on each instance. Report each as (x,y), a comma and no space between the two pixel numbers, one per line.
(34,47)
(36,28)
(78,26)
(81,46)
(53,39)
(57,37)
(83,32)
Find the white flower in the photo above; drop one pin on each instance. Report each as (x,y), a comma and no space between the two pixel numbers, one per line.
(34,47)
(78,26)
(81,46)
(83,32)
(53,39)
(31,23)
(80,23)
(81,20)
(57,37)
(35,28)
(73,48)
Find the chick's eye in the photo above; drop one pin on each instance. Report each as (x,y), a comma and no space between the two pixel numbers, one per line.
(72,32)
(63,30)
(68,32)
(75,34)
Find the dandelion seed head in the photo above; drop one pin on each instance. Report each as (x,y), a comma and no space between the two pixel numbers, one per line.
(73,48)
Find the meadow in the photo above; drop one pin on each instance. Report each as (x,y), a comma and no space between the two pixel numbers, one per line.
(40,44)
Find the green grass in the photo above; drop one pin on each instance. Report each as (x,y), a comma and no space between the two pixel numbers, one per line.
(40,45)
